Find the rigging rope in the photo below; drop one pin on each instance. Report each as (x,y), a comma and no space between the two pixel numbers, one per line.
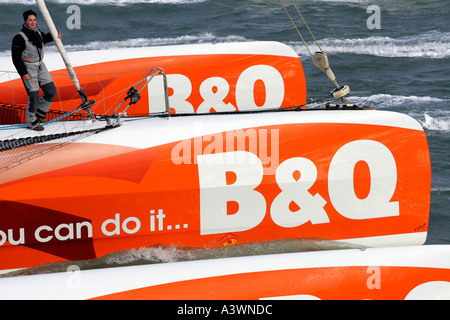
(297,29)
(18,146)
(319,58)
(295,26)
(310,32)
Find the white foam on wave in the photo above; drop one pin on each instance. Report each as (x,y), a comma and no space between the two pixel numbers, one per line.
(205,37)
(435,124)
(440,189)
(172,253)
(164,254)
(414,106)
(155,254)
(383,100)
(432,44)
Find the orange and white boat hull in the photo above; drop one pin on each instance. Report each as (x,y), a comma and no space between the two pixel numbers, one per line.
(201,78)
(205,180)
(210,181)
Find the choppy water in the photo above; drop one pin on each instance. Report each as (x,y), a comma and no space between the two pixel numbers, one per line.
(166,254)
(403,66)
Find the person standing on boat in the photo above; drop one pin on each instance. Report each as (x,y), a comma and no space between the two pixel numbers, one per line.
(27,53)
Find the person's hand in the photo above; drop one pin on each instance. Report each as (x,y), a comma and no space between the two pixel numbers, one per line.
(26,77)
(59,35)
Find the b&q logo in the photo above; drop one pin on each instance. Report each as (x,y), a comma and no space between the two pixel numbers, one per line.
(295,177)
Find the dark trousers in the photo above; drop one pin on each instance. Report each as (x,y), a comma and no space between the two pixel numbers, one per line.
(39,78)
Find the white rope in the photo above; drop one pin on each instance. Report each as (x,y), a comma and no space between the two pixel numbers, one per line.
(296,28)
(319,58)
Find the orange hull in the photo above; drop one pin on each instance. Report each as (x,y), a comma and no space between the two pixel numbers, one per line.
(291,175)
(201,79)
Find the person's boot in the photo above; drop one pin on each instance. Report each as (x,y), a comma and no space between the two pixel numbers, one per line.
(35,125)
(41,116)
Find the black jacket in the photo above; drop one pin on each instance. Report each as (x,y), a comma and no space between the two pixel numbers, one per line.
(18,45)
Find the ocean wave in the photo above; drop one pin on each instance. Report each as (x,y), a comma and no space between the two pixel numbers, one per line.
(414,106)
(432,44)
(205,37)
(166,254)
(106,2)
(440,189)
(383,100)
(435,124)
